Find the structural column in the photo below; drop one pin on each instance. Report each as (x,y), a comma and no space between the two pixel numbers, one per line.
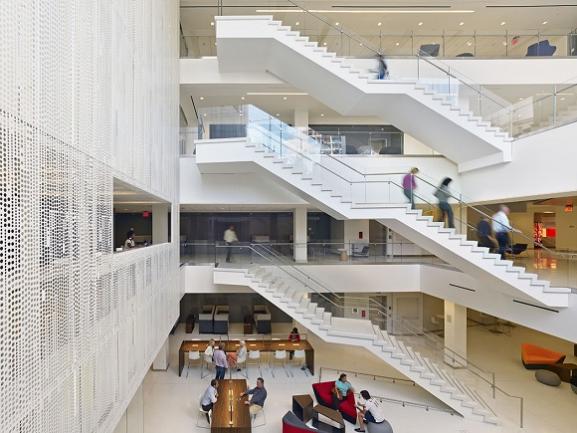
(301,119)
(455,334)
(300,234)
(159,223)
(162,358)
(356,233)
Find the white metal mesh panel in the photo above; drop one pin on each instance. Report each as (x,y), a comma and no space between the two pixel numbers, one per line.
(88,92)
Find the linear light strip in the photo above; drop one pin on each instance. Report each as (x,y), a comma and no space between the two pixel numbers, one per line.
(366,11)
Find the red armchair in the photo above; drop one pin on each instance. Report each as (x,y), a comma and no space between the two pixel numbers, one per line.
(535,357)
(324,395)
(292,424)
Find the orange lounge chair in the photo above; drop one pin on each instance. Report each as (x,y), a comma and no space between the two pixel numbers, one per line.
(535,357)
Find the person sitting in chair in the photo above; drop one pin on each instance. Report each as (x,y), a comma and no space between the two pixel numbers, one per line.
(259,394)
(341,389)
(209,398)
(371,411)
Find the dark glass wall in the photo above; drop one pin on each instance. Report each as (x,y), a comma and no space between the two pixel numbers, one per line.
(366,139)
(252,226)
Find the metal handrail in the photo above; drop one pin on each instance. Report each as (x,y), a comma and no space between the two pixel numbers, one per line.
(378,52)
(383,312)
(458,199)
(404,403)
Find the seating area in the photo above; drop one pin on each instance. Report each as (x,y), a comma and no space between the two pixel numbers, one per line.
(535,357)
(324,395)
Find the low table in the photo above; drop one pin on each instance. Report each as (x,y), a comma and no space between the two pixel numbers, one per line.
(333,416)
(565,371)
(303,407)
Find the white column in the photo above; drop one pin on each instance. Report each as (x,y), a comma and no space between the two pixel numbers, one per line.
(455,334)
(159,223)
(355,232)
(162,358)
(301,119)
(300,234)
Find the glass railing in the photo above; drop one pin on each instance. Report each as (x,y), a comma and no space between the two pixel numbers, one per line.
(305,155)
(533,113)
(425,349)
(318,253)
(198,36)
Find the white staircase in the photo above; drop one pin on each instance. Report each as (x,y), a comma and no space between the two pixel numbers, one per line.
(329,192)
(292,298)
(433,108)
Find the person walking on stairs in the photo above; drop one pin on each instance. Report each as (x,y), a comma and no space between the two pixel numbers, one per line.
(443,194)
(409,185)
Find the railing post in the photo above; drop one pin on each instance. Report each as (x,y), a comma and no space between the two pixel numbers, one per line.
(521,413)
(493,383)
(554,104)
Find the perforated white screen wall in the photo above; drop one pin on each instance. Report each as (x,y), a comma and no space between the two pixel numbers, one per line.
(88,92)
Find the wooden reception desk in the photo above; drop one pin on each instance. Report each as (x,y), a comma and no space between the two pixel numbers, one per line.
(230,413)
(262,345)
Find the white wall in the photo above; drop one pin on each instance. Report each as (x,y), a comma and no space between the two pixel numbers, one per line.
(543,165)
(479,71)
(225,188)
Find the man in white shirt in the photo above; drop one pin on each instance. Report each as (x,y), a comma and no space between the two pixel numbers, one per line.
(371,411)
(229,239)
(209,398)
(501,228)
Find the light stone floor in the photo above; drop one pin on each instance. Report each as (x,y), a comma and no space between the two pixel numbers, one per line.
(170,402)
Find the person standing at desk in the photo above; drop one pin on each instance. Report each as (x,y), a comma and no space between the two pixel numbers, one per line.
(294,337)
(258,398)
(220,361)
(229,239)
(209,398)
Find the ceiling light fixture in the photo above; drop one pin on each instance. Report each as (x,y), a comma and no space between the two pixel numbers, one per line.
(277,114)
(276,94)
(297,23)
(397,44)
(469,43)
(242,98)
(369,11)
(284,98)
(503,23)
(420,23)
(379,24)
(322,114)
(337,23)
(544,22)
(212,23)
(324,44)
(462,23)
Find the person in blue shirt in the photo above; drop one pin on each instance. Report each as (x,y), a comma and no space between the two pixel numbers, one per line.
(342,388)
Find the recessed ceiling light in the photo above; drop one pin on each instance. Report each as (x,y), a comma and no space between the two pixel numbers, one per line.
(337,23)
(563,98)
(503,23)
(360,44)
(325,44)
(504,43)
(420,23)
(520,99)
(397,44)
(242,98)
(469,43)
(322,114)
(284,98)
(462,23)
(544,22)
(202,98)
(212,23)
(277,114)
(204,115)
(297,23)
(215,43)
(379,24)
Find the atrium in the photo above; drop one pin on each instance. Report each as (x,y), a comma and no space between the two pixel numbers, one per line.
(292,216)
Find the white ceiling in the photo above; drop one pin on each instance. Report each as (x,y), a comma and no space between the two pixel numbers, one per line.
(435,16)
(127,198)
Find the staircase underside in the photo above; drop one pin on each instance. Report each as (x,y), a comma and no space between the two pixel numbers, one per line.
(399,103)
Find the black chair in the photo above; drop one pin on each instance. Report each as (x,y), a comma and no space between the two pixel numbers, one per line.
(431,50)
(517,249)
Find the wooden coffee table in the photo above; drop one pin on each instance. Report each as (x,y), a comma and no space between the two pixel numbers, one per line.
(565,371)
(303,407)
(334,417)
